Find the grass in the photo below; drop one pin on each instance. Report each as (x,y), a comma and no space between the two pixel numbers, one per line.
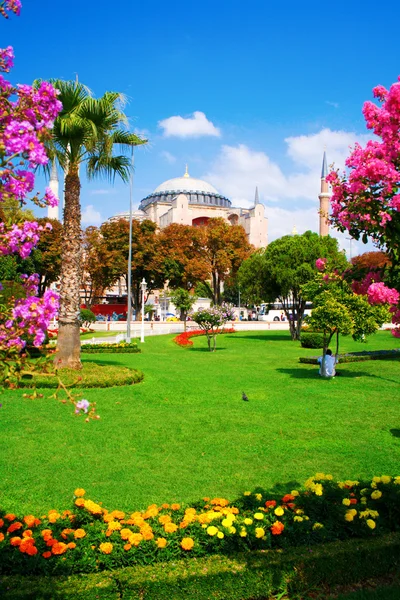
(185,432)
(92,375)
(99,334)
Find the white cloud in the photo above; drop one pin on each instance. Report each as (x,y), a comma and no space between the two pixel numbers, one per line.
(195,126)
(170,158)
(91,216)
(334,104)
(237,170)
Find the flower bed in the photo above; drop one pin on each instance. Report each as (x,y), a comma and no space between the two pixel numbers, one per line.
(90,537)
(111,348)
(357,356)
(183,339)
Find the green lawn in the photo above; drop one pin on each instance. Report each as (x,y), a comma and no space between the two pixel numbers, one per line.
(185,432)
(99,334)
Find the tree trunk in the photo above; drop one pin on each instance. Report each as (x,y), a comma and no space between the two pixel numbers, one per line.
(69,343)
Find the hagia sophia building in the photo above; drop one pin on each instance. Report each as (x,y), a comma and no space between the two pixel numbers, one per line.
(192,201)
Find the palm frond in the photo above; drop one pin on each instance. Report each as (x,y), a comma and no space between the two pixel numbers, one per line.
(108,167)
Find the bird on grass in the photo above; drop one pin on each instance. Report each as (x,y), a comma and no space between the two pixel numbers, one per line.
(244,397)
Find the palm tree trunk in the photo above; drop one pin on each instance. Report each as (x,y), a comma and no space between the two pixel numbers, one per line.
(69,344)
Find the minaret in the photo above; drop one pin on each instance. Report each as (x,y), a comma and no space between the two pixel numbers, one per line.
(256,198)
(53,211)
(324,200)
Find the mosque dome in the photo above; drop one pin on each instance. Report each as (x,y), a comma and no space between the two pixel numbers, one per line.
(197,191)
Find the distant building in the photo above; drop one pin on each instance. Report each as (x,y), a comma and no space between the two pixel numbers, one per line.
(191,201)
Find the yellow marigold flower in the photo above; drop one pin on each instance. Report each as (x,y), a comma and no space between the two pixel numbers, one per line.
(135,539)
(79,492)
(147,533)
(152,511)
(376,494)
(258,497)
(318,489)
(349,517)
(371,524)
(363,500)
(318,526)
(232,529)
(118,514)
(164,519)
(247,494)
(92,507)
(260,532)
(106,548)
(376,479)
(351,483)
(248,521)
(170,527)
(306,518)
(298,519)
(295,493)
(190,511)
(259,516)
(79,533)
(243,532)
(396,480)
(220,535)
(125,533)
(227,522)
(204,525)
(279,511)
(161,542)
(329,477)
(386,479)
(212,530)
(299,511)
(187,543)
(346,502)
(114,526)
(319,476)
(364,491)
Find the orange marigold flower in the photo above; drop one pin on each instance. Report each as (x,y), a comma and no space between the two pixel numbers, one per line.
(53,516)
(187,543)
(353,500)
(106,548)
(71,545)
(59,548)
(30,549)
(1,522)
(65,533)
(15,541)
(270,503)
(46,554)
(165,505)
(175,506)
(79,492)
(135,539)
(9,516)
(1,537)
(47,534)
(127,547)
(30,520)
(164,519)
(147,533)
(118,514)
(14,527)
(170,527)
(287,498)
(183,524)
(161,542)
(50,542)
(27,533)
(80,502)
(79,533)
(125,533)
(277,528)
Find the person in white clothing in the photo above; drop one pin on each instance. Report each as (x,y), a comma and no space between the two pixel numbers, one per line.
(330,362)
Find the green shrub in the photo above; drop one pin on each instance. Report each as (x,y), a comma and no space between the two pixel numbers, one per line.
(92,375)
(87,317)
(312,340)
(357,357)
(111,348)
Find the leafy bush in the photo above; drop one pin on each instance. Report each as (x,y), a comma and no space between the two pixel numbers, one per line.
(312,340)
(91,537)
(92,375)
(357,356)
(87,317)
(111,348)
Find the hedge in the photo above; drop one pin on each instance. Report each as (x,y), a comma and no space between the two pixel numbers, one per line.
(241,576)
(91,375)
(109,348)
(312,340)
(357,356)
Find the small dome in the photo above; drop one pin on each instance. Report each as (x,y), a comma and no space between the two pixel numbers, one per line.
(186,184)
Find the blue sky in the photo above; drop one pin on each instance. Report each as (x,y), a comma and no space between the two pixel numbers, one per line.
(263,85)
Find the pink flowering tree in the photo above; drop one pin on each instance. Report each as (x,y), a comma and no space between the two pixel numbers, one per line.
(27,116)
(211,320)
(366,199)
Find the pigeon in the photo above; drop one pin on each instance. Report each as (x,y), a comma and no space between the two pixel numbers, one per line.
(244,397)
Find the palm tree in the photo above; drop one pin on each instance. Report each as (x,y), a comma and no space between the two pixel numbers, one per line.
(86,131)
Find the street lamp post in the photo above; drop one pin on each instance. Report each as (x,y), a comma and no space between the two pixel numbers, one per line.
(129,316)
(143,287)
